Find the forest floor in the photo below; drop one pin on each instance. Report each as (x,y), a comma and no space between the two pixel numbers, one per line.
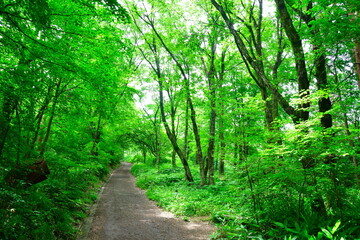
(125,213)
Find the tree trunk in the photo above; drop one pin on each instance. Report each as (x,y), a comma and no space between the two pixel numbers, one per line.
(221,119)
(39,118)
(8,108)
(173,129)
(357,61)
(171,136)
(317,204)
(324,102)
(347,128)
(186,131)
(52,114)
(297,48)
(210,74)
(211,146)
(173,158)
(144,153)
(222,147)
(96,138)
(199,155)
(191,106)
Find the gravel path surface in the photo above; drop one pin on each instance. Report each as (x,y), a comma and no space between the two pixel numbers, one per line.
(124,213)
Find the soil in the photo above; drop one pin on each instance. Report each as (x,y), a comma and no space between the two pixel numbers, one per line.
(124,213)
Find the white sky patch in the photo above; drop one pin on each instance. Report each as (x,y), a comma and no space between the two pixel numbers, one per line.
(269,8)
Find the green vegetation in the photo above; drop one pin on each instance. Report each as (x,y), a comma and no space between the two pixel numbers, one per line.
(54,208)
(244,111)
(229,205)
(58,99)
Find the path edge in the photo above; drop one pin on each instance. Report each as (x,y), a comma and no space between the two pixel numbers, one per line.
(85,226)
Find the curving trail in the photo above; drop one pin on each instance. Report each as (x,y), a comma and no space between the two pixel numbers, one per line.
(124,213)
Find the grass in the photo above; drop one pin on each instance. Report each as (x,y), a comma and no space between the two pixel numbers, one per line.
(223,203)
(229,205)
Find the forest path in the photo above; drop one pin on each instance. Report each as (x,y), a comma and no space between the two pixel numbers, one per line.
(125,213)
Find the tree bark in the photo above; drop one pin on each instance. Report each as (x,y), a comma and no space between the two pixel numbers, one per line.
(221,118)
(9,106)
(324,102)
(210,75)
(52,114)
(171,136)
(297,48)
(39,118)
(357,61)
(173,129)
(186,131)
(211,145)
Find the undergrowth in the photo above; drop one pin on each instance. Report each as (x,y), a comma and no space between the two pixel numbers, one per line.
(229,205)
(56,207)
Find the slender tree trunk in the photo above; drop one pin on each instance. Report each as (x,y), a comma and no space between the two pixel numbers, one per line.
(157,140)
(268,109)
(357,61)
(173,158)
(221,118)
(144,153)
(96,138)
(356,50)
(171,136)
(52,114)
(210,74)
(211,147)
(186,132)
(39,118)
(222,147)
(189,101)
(347,127)
(173,112)
(19,135)
(199,155)
(158,157)
(9,106)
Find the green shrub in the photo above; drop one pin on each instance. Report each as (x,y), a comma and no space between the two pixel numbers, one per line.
(230,205)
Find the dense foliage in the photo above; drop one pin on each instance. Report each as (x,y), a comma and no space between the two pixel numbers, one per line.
(230,206)
(260,102)
(63,89)
(247,112)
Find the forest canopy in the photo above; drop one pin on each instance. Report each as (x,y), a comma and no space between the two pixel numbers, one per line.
(249,107)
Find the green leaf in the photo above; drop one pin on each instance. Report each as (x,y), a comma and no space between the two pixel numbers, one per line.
(327,233)
(336,226)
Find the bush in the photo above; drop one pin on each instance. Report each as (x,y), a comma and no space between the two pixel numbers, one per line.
(54,208)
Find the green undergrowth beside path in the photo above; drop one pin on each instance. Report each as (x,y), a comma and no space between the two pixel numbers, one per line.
(56,207)
(228,204)
(221,203)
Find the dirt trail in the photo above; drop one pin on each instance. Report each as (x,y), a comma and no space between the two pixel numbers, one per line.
(124,213)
